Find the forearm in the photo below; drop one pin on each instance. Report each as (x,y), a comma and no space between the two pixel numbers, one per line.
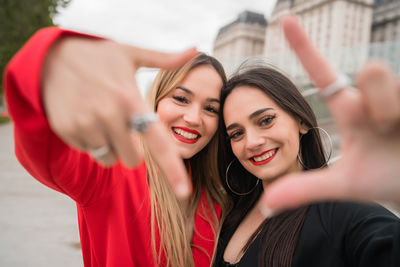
(38,149)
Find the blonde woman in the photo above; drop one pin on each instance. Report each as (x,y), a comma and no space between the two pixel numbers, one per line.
(73,110)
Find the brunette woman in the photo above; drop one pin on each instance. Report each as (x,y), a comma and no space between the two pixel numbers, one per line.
(270,131)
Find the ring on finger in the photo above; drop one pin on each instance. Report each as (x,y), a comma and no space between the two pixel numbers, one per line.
(141,122)
(100,152)
(340,83)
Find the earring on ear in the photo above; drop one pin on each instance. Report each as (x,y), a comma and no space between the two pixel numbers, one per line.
(230,188)
(329,154)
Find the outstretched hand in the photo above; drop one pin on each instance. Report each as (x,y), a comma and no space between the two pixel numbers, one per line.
(90,95)
(368,121)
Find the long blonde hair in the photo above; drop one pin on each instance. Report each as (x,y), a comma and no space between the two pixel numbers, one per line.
(168,215)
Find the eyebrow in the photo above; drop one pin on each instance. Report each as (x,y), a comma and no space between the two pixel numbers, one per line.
(258,112)
(252,115)
(186,90)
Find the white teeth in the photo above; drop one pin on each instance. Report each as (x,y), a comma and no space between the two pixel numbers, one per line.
(185,134)
(265,156)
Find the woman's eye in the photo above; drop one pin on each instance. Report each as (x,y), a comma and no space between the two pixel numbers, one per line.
(181,99)
(212,109)
(234,135)
(267,120)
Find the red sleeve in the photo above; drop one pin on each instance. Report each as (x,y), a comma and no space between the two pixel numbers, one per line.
(40,151)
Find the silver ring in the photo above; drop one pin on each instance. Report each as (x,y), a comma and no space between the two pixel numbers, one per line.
(341,82)
(99,152)
(141,122)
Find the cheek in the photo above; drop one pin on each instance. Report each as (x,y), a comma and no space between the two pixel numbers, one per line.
(165,111)
(287,134)
(293,144)
(211,125)
(236,149)
(295,138)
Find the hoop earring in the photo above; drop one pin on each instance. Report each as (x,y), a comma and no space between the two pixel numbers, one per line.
(230,188)
(330,153)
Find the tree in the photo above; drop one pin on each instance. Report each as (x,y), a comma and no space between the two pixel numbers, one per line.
(19,19)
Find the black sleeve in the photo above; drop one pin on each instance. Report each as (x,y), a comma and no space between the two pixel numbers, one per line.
(368,233)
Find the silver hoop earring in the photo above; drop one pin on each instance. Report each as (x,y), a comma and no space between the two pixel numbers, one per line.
(230,188)
(330,152)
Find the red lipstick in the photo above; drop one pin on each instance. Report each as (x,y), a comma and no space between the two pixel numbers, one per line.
(184,140)
(263,161)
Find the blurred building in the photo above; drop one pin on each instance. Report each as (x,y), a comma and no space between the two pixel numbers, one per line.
(339,28)
(385,32)
(241,39)
(347,32)
(386,22)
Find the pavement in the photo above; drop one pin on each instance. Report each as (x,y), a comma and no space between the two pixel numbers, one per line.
(38,226)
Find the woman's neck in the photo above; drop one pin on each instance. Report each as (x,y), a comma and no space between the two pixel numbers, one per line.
(267,181)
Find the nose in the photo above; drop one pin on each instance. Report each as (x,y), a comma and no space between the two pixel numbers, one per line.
(253,139)
(192,115)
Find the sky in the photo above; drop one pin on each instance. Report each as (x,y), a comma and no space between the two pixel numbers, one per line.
(167,25)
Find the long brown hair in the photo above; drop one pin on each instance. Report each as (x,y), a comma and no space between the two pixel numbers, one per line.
(167,214)
(279,234)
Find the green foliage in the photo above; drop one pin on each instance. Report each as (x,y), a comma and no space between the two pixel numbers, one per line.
(19,19)
(4,120)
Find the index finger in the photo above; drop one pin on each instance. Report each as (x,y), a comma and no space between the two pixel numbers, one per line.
(155,59)
(156,137)
(321,73)
(316,66)
(161,148)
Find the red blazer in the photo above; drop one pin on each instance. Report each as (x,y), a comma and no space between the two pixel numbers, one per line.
(113,203)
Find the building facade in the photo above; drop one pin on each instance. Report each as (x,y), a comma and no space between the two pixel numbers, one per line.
(339,28)
(347,32)
(385,32)
(386,22)
(241,39)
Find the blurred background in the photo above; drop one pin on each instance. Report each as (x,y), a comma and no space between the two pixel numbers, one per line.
(38,227)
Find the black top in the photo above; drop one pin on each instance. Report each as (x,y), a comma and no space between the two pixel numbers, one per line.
(336,234)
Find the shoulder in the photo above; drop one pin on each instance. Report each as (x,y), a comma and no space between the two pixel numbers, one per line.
(341,218)
(350,210)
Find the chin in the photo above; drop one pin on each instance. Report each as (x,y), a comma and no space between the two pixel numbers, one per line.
(186,154)
(268,176)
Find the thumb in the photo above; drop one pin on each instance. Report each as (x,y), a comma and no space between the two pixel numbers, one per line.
(156,59)
(304,188)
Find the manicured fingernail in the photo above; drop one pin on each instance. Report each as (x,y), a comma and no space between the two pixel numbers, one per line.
(265,211)
(182,190)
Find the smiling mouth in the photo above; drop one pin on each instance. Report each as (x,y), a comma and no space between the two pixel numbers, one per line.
(185,136)
(264,157)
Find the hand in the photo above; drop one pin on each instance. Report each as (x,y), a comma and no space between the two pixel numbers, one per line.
(368,121)
(90,94)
